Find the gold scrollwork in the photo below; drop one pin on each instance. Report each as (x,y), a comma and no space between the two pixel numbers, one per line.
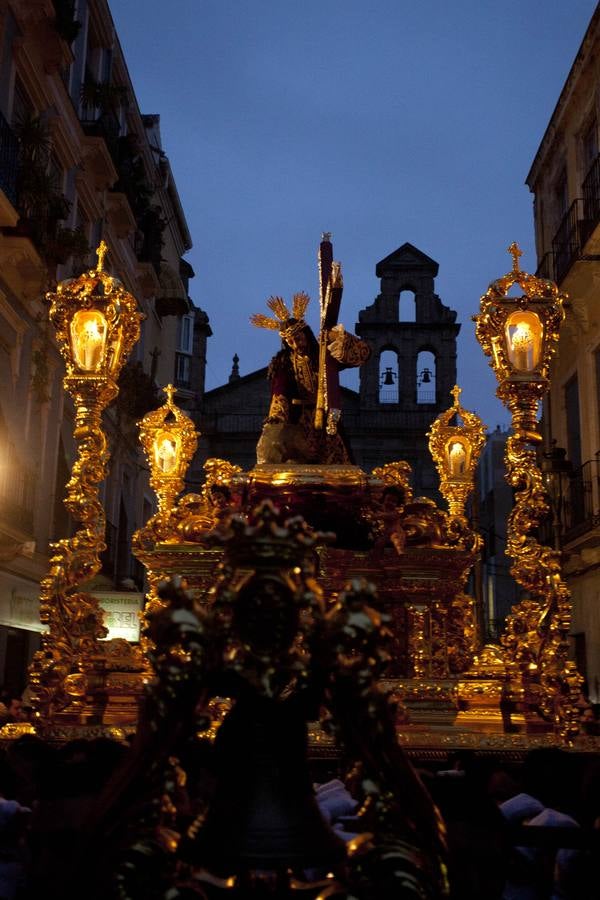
(62,672)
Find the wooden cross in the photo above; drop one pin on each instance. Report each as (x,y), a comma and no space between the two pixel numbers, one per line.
(515,252)
(101,253)
(456,392)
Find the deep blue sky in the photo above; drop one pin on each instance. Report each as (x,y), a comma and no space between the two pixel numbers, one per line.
(383,122)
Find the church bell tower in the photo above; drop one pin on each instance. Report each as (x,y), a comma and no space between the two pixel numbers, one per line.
(407,381)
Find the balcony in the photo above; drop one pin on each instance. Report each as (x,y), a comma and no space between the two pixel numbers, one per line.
(99,162)
(105,125)
(578,501)
(591,198)
(120,215)
(575,237)
(570,238)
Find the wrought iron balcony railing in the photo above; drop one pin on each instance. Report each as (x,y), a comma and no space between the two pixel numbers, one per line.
(575,229)
(591,197)
(579,500)
(568,241)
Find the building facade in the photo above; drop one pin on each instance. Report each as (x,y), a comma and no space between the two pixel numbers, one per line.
(78,162)
(565,181)
(404,386)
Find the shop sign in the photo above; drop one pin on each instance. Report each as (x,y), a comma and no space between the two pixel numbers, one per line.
(121,613)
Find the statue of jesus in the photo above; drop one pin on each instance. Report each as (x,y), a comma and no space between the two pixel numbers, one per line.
(303,423)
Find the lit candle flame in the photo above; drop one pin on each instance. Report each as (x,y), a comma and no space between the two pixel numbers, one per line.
(166,455)
(522,346)
(458,458)
(91,341)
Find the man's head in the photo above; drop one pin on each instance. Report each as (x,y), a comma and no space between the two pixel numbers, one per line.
(298,342)
(15,710)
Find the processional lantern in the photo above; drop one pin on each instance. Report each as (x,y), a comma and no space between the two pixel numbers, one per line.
(520,335)
(455,441)
(97,323)
(169,439)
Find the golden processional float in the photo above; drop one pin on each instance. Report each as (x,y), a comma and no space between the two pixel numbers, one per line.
(450,690)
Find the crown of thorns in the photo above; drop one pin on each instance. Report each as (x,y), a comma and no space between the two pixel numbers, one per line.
(283,317)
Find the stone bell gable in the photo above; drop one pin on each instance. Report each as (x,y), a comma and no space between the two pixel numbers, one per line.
(407,381)
(406,319)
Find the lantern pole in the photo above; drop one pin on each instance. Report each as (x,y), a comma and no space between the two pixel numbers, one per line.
(97,323)
(520,335)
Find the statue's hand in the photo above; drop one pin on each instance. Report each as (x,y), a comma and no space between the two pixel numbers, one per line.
(337,336)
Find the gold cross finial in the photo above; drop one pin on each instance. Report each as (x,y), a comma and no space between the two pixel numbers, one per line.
(101,253)
(456,392)
(169,391)
(515,252)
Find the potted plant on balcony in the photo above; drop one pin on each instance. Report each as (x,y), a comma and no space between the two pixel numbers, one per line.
(41,204)
(39,199)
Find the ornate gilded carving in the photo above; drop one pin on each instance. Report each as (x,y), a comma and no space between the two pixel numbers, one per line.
(455,449)
(169,439)
(461,633)
(268,638)
(192,518)
(520,334)
(396,474)
(97,323)
(197,514)
(521,346)
(424,524)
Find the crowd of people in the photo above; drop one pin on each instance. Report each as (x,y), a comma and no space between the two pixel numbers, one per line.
(48,795)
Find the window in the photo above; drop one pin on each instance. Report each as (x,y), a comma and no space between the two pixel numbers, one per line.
(183,367)
(589,146)
(185,334)
(561,197)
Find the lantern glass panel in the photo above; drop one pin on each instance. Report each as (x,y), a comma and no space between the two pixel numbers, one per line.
(524,340)
(458,456)
(166,452)
(88,339)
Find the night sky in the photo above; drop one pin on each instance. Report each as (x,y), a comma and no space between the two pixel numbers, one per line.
(382,122)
